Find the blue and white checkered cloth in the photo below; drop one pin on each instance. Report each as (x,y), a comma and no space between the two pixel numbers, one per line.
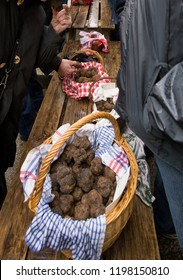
(49,230)
(84,238)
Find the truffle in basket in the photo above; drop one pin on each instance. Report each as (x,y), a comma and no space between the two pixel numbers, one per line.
(82,185)
(105,106)
(87,75)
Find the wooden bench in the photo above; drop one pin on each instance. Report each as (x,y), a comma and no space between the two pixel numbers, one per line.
(91,17)
(138,239)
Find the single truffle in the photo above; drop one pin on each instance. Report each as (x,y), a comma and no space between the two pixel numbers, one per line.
(54,185)
(85,179)
(104,186)
(63,171)
(76,168)
(77,194)
(57,163)
(68,152)
(96,166)
(66,203)
(84,142)
(96,210)
(109,173)
(90,156)
(79,156)
(81,212)
(92,198)
(67,184)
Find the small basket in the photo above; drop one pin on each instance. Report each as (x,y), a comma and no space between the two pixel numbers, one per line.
(89,51)
(78,90)
(118,217)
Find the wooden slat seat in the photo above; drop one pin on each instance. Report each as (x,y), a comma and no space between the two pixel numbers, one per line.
(92,17)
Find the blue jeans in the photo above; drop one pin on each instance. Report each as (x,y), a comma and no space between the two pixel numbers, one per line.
(31,105)
(168,206)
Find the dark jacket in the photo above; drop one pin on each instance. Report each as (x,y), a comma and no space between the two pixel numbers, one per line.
(117,7)
(151,44)
(38,46)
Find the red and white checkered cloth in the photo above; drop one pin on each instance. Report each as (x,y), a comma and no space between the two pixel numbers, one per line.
(83,2)
(87,39)
(80,90)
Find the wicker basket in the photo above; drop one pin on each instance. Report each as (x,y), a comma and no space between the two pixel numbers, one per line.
(95,53)
(118,217)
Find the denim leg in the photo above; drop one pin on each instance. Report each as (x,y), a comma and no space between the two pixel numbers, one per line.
(35,91)
(27,118)
(162,215)
(31,105)
(169,200)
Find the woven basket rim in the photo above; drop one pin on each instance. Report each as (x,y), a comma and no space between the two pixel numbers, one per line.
(119,139)
(92,52)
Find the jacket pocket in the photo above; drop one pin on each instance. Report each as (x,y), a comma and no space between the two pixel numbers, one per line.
(163,110)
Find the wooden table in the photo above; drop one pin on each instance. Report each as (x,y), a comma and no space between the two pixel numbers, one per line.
(96,16)
(138,239)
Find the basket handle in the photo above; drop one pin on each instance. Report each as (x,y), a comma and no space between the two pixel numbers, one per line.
(92,52)
(37,191)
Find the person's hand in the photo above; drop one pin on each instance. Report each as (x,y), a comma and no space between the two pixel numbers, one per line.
(61,20)
(67,68)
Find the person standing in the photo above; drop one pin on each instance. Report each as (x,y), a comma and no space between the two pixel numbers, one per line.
(25,43)
(34,97)
(150,98)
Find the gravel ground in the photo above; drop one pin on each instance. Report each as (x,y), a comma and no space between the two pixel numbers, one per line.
(11,171)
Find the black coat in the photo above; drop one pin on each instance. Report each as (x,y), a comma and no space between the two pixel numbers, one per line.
(38,46)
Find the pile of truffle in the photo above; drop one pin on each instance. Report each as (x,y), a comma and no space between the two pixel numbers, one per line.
(87,75)
(82,185)
(105,106)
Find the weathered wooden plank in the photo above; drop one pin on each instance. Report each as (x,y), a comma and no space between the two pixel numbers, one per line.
(112,59)
(14,219)
(98,14)
(138,240)
(46,254)
(94,15)
(106,15)
(81,18)
(75,110)
(74,10)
